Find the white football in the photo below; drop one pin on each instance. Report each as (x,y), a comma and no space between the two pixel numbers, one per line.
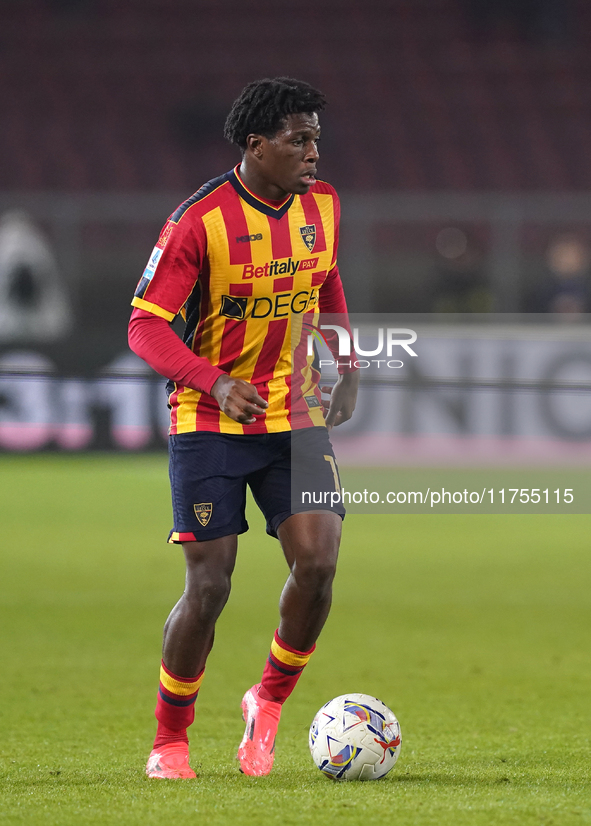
(355,737)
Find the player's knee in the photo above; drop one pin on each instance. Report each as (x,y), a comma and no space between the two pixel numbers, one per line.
(207,593)
(208,580)
(315,571)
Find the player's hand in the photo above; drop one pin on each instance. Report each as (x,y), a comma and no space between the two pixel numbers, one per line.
(238,399)
(343,397)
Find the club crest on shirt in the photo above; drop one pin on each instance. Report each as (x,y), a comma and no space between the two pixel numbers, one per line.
(203,512)
(309,236)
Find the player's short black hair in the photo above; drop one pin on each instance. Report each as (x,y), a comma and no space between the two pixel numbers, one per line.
(264,104)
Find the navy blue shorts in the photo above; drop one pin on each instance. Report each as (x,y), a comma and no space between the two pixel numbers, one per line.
(288,472)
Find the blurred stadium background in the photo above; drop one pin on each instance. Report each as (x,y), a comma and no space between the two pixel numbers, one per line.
(458,136)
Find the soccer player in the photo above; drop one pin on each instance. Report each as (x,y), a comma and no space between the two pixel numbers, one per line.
(244,260)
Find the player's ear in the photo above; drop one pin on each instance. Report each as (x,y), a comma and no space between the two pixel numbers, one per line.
(254,143)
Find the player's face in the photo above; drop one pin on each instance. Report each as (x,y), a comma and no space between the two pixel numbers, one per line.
(288,160)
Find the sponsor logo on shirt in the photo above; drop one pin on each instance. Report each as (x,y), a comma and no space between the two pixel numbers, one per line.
(281,267)
(280,305)
(233,306)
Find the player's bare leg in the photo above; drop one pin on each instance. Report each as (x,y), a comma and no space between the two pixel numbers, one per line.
(188,637)
(189,630)
(310,542)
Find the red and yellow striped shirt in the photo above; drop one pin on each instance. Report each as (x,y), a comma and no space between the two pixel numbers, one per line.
(249,278)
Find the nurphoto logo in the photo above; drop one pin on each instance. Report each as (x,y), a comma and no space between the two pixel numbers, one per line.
(387,338)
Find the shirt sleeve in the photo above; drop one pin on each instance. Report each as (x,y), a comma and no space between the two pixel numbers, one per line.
(152,339)
(331,301)
(170,275)
(331,297)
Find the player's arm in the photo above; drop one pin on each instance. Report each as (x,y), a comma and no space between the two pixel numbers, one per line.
(238,399)
(167,282)
(343,396)
(151,338)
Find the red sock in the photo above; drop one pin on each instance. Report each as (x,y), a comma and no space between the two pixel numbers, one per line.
(282,670)
(175,707)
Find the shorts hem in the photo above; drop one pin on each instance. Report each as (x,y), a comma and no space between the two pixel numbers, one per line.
(274,523)
(178,537)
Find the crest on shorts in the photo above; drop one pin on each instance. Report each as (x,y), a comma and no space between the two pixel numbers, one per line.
(309,236)
(203,512)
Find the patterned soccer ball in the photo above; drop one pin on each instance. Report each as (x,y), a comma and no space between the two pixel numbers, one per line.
(355,737)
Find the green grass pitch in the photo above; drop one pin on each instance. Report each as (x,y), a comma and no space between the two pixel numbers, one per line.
(474,629)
